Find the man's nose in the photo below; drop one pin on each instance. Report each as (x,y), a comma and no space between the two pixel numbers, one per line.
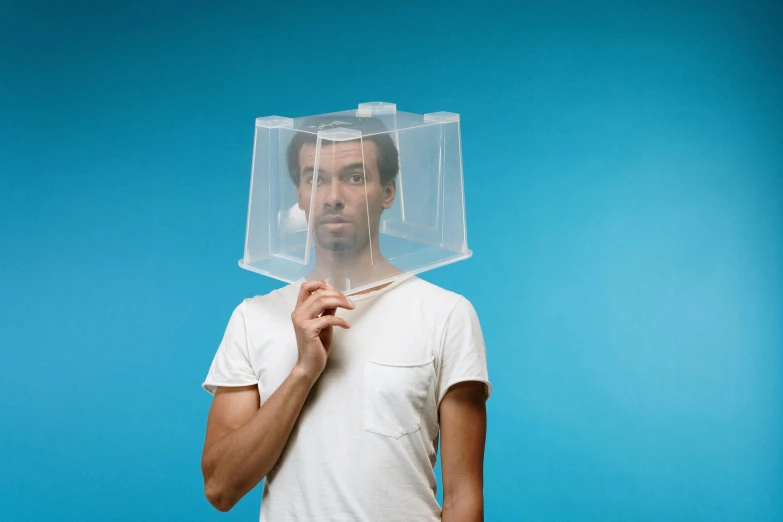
(334,193)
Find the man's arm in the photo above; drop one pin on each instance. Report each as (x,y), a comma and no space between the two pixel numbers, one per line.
(244,441)
(463,427)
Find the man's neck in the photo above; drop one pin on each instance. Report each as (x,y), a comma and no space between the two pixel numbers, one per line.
(349,270)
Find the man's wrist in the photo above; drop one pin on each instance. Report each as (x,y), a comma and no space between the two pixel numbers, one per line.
(304,376)
(466,507)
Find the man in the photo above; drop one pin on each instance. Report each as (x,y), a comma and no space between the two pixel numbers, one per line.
(340,401)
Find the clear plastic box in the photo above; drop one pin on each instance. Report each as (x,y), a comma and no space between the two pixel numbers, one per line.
(356,197)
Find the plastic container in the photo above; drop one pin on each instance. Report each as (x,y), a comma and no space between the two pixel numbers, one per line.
(356,197)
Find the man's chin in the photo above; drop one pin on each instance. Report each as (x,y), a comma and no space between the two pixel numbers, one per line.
(336,244)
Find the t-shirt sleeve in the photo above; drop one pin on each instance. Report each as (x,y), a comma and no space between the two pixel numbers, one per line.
(231,365)
(463,353)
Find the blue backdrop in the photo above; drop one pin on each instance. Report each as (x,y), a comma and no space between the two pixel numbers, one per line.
(623,176)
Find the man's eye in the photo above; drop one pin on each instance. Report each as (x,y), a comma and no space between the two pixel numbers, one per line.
(356,178)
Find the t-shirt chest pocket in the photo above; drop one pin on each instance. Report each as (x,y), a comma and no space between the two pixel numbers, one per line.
(394,395)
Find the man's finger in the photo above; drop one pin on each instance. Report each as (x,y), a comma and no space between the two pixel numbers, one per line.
(308,288)
(326,321)
(320,305)
(319,293)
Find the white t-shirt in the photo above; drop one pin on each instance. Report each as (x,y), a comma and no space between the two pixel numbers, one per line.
(365,443)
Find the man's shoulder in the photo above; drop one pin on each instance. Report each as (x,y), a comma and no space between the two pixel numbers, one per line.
(277,299)
(432,293)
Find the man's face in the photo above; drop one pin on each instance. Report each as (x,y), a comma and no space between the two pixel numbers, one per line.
(348,187)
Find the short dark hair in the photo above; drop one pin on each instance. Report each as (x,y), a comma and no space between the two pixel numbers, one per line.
(388,156)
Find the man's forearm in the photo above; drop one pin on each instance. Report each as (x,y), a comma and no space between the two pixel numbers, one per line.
(236,463)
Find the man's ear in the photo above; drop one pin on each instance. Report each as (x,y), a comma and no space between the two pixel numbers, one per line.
(299,196)
(389,193)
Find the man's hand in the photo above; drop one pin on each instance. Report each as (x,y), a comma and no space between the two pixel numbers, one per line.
(314,318)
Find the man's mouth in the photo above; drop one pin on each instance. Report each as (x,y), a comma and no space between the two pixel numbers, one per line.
(334,223)
(334,220)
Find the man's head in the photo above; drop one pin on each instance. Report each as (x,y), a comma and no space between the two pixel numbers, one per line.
(355,183)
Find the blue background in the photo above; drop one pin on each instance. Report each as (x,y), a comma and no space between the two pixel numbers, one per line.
(623,168)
